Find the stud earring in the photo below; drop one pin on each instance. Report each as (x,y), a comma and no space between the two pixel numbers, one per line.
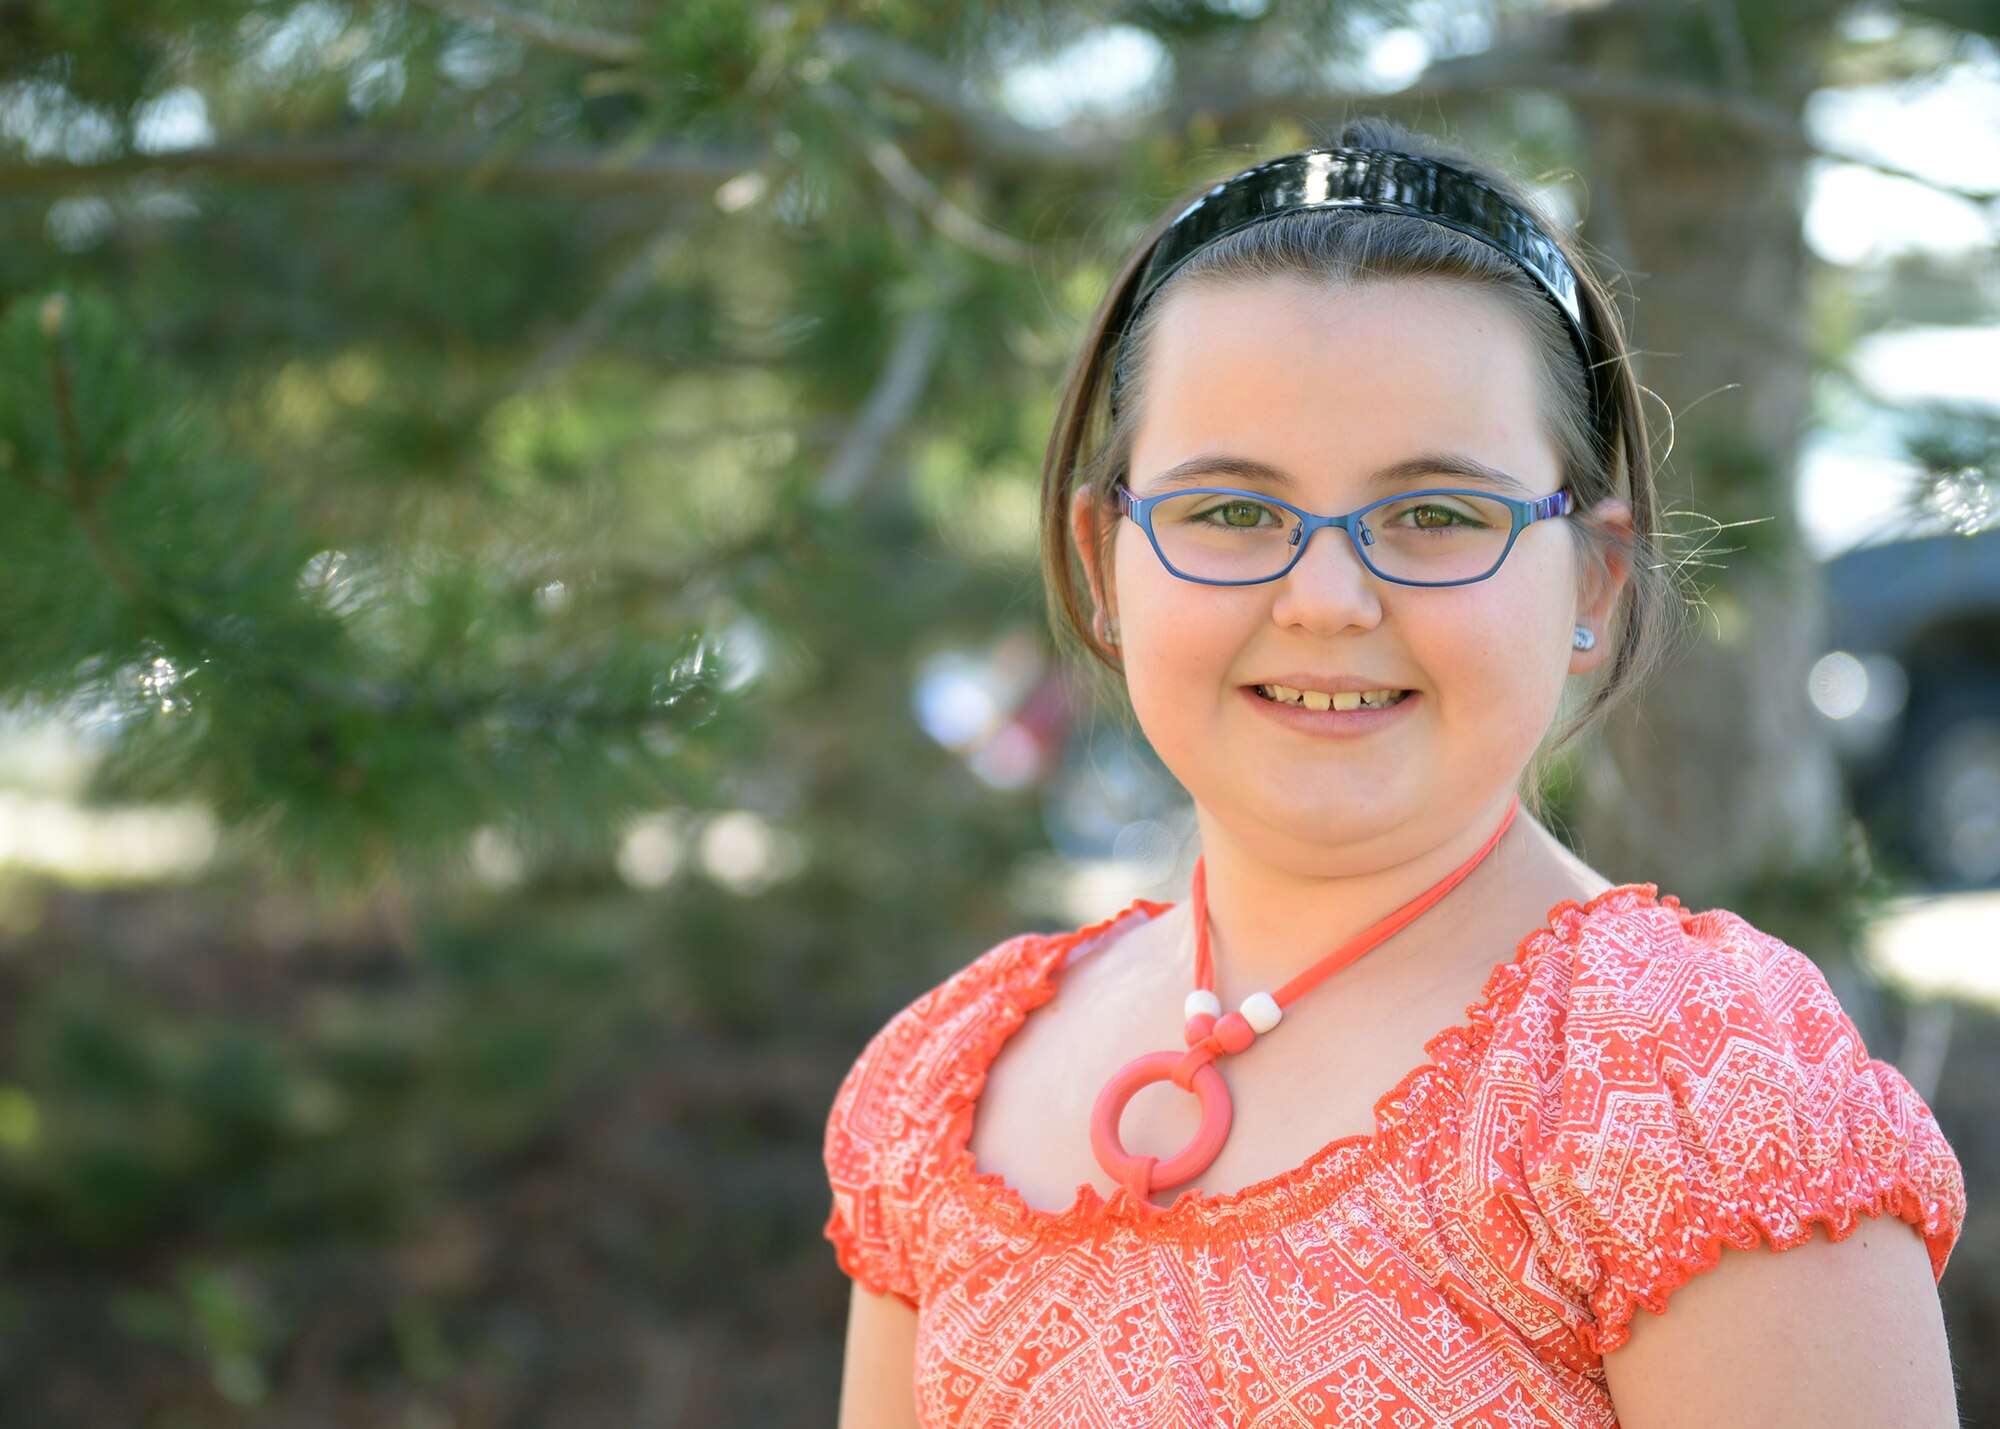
(1583,639)
(1105,626)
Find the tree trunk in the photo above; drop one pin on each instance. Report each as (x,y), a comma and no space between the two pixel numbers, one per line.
(1717,781)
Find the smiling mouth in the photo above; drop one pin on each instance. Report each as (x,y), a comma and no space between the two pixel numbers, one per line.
(1319,700)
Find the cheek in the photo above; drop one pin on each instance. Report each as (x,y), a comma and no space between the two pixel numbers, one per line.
(1178,636)
(1171,639)
(1150,599)
(1505,649)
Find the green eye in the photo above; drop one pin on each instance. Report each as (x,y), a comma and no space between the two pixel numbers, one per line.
(1240,515)
(1436,516)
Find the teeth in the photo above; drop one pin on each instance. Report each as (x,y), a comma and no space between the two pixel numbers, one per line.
(1345,700)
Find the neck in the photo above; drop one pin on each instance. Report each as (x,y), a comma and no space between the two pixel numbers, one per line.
(1269,921)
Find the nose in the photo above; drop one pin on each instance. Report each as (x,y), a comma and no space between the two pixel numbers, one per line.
(1330,588)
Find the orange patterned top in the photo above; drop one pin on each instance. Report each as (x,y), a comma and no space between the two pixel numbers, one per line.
(1637,1087)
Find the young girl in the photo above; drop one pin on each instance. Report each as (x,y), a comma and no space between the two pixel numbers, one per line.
(1374,488)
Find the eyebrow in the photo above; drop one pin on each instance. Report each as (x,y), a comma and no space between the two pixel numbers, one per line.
(1195,469)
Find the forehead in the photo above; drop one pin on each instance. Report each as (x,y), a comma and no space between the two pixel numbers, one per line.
(1334,381)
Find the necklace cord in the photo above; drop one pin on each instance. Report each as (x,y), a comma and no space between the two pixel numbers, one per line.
(1211,1033)
(1350,951)
(1209,1037)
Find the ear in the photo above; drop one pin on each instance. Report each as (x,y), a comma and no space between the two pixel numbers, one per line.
(1604,579)
(1088,528)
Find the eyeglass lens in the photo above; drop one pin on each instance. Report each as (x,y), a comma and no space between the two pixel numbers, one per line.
(1228,537)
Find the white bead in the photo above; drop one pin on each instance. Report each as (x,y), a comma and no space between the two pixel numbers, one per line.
(1261,1011)
(1202,1000)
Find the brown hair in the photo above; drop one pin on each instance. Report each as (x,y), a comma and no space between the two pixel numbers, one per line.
(1090,451)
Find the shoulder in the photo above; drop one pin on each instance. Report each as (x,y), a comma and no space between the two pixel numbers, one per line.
(913,1048)
(1697,1084)
(950,1024)
(882,1129)
(887,1130)
(1631,981)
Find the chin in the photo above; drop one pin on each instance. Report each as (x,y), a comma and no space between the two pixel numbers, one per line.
(1324,817)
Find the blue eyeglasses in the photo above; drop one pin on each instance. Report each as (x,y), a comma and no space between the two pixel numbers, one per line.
(1220,535)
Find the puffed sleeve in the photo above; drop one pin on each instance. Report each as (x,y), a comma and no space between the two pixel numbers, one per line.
(870,1166)
(1712,1092)
(887,1130)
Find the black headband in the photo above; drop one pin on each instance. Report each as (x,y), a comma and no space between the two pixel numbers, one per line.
(1379,181)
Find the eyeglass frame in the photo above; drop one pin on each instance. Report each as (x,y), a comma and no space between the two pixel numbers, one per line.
(1524,512)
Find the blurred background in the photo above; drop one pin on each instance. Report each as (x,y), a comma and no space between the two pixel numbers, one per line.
(521,643)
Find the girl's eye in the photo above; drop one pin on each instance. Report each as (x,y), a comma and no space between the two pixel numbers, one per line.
(1431,516)
(1240,514)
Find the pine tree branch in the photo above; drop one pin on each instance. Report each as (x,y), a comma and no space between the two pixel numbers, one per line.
(664,168)
(1896,171)
(897,67)
(1725,26)
(912,356)
(84,488)
(995,137)
(80,487)
(1003,142)
(945,216)
(584,41)
(625,288)
(691,169)
(1751,118)
(902,176)
(984,134)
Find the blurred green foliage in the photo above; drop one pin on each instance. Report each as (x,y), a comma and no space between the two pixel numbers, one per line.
(424,467)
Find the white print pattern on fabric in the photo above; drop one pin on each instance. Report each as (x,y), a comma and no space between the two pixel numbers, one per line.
(1638,1087)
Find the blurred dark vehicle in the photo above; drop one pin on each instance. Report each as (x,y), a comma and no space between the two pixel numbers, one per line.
(1911,688)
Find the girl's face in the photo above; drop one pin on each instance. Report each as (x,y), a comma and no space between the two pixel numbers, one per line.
(1329,385)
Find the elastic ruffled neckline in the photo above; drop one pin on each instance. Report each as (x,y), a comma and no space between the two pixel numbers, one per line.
(1030,980)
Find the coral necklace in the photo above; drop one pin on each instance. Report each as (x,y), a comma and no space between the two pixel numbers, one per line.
(1210,1034)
